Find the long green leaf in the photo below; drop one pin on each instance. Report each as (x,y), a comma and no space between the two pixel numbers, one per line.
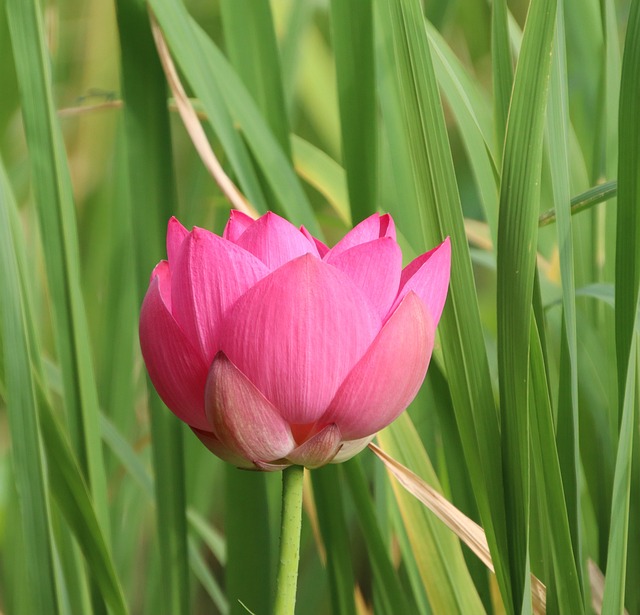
(250,43)
(23,421)
(628,221)
(56,213)
(437,551)
(517,241)
(418,142)
(151,201)
(352,35)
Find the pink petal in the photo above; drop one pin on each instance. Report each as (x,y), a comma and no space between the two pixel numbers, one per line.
(318,450)
(428,277)
(208,277)
(275,241)
(375,269)
(242,419)
(371,228)
(322,248)
(297,334)
(237,224)
(387,378)
(351,448)
(176,368)
(210,440)
(176,234)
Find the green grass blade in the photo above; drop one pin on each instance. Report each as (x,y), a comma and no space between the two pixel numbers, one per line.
(225,99)
(324,174)
(391,594)
(74,501)
(475,123)
(628,220)
(428,194)
(249,540)
(437,551)
(517,241)
(251,45)
(502,64)
(52,191)
(615,581)
(568,432)
(151,201)
(551,491)
(28,459)
(352,35)
(335,535)
(585,200)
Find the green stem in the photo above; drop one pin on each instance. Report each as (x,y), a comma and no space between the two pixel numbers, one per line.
(287,580)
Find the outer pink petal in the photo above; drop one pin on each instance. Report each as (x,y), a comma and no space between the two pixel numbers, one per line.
(387,378)
(297,334)
(177,369)
(318,450)
(242,419)
(351,448)
(428,277)
(176,234)
(371,228)
(208,277)
(237,224)
(322,248)
(375,268)
(210,440)
(275,241)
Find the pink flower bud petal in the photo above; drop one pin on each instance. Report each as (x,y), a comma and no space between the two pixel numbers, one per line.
(209,276)
(245,422)
(350,448)
(275,241)
(375,268)
(387,378)
(319,449)
(428,277)
(175,367)
(321,247)
(176,234)
(296,335)
(371,228)
(210,440)
(238,223)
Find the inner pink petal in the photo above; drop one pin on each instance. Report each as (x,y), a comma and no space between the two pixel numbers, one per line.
(275,241)
(297,333)
(209,276)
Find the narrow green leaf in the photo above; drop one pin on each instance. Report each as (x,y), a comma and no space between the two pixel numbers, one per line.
(56,215)
(248,533)
(437,550)
(517,242)
(352,35)
(252,49)
(324,174)
(151,201)
(427,211)
(28,461)
(391,594)
(615,581)
(333,526)
(502,64)
(628,220)
(593,196)
(74,501)
(551,491)
(568,429)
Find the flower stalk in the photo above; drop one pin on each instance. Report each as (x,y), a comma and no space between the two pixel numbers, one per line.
(291,524)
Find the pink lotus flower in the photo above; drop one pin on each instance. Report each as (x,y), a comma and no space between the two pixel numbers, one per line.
(277,350)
